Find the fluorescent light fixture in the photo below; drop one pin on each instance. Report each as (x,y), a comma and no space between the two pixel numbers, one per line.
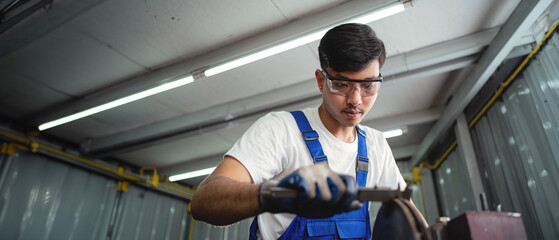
(193,174)
(265,53)
(393,133)
(376,15)
(118,102)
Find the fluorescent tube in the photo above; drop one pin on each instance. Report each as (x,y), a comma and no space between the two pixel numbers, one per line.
(376,15)
(393,133)
(265,53)
(116,103)
(193,174)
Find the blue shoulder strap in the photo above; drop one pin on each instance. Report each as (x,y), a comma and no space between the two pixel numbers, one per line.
(311,139)
(362,163)
(310,136)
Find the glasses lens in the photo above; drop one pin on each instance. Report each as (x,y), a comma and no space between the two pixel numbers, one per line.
(345,88)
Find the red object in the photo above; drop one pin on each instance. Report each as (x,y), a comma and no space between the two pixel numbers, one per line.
(486,225)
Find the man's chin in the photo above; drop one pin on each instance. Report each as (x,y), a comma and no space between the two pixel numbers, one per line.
(350,123)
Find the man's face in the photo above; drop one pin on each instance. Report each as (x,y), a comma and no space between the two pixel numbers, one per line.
(347,111)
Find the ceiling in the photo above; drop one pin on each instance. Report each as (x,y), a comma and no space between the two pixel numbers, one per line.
(69,56)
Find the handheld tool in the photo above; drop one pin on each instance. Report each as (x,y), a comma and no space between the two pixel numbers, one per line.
(375,194)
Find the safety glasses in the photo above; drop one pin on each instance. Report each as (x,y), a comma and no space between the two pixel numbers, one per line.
(345,86)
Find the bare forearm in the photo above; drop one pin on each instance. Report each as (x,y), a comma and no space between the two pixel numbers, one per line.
(222,201)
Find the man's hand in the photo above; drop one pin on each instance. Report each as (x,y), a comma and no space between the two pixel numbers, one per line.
(321,193)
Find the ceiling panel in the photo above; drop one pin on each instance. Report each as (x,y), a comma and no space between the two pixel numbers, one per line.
(429,22)
(19,95)
(294,9)
(155,34)
(71,62)
(413,96)
(186,149)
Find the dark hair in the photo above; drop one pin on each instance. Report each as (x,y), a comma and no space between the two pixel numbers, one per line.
(350,47)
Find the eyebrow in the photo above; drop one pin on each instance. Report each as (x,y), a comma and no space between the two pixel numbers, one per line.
(343,78)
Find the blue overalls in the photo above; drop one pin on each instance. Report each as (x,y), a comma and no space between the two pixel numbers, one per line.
(348,225)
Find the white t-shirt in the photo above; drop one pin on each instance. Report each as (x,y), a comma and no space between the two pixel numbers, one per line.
(273,147)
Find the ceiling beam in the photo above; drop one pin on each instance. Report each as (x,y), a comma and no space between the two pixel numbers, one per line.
(508,37)
(407,119)
(292,30)
(439,53)
(404,152)
(450,56)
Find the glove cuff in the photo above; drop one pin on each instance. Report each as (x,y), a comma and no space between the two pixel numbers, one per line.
(267,203)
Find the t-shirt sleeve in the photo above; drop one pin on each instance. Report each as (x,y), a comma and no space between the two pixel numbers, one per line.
(261,148)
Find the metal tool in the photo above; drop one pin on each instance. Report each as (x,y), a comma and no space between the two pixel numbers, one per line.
(375,194)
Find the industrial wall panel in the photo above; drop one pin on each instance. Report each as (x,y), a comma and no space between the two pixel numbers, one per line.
(516,143)
(41,198)
(239,230)
(145,214)
(453,185)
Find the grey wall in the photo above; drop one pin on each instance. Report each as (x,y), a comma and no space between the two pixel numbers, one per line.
(43,198)
(517,141)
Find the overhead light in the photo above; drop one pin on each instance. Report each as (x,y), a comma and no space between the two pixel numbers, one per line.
(393,133)
(265,53)
(193,174)
(116,103)
(371,17)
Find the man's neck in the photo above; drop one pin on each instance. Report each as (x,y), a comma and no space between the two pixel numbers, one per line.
(344,133)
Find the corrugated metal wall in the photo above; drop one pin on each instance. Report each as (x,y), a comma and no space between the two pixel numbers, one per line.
(46,199)
(145,214)
(516,145)
(42,198)
(454,187)
(239,230)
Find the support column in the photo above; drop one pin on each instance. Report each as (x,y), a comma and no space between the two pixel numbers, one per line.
(468,154)
(430,200)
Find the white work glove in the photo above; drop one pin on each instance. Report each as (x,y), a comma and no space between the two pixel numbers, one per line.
(321,193)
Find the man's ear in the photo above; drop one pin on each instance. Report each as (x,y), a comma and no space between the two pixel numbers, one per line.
(319,79)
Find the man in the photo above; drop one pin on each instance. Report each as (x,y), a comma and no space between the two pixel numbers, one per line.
(319,152)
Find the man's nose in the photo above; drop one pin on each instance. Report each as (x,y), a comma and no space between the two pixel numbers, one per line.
(354,97)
